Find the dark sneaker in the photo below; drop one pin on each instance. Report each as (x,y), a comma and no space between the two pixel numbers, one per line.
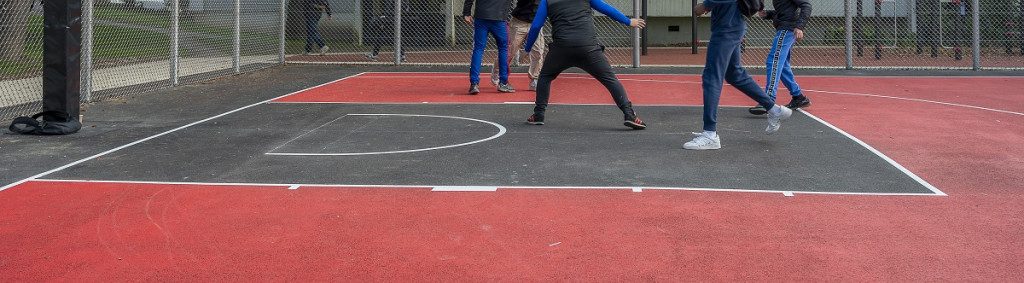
(535,119)
(799,102)
(634,122)
(474,89)
(757,110)
(506,88)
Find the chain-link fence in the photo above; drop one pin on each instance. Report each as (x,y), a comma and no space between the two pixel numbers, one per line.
(131,46)
(928,34)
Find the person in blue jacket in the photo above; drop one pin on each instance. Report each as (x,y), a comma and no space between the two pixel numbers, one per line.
(574,44)
(728,26)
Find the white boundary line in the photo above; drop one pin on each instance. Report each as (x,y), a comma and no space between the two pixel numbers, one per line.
(465,75)
(501,132)
(482,187)
(80,161)
(879,153)
(918,100)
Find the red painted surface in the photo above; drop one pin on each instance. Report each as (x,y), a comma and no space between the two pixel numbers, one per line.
(79,231)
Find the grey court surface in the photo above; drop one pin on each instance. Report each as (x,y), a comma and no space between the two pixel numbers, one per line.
(489,145)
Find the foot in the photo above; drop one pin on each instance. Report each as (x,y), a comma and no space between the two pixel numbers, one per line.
(704,141)
(372,57)
(474,89)
(799,102)
(495,80)
(535,119)
(633,121)
(324,49)
(506,88)
(775,117)
(403,58)
(533,85)
(757,110)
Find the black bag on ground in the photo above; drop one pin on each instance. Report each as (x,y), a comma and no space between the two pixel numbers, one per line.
(750,7)
(53,123)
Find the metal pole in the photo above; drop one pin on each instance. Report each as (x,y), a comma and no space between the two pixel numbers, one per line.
(693,26)
(913,16)
(849,34)
(175,26)
(976,13)
(643,33)
(86,78)
(398,32)
(281,33)
(237,55)
(636,36)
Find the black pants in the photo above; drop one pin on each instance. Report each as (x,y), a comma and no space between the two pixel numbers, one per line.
(589,58)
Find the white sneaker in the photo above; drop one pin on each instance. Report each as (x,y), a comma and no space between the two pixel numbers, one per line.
(704,142)
(323,50)
(533,85)
(775,117)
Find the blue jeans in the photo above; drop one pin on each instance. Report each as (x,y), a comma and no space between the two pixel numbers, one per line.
(481,28)
(778,66)
(313,33)
(725,64)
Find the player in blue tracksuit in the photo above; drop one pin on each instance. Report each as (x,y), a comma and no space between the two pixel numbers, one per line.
(574,44)
(789,18)
(728,26)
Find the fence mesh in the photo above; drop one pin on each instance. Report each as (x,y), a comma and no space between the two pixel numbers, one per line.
(132,45)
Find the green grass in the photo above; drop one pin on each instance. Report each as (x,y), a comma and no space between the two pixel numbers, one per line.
(108,43)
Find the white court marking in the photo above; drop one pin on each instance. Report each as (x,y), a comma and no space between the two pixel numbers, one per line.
(501,132)
(37,177)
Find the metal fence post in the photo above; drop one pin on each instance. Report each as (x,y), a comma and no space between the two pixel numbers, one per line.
(398,32)
(849,34)
(281,33)
(975,10)
(636,36)
(236,61)
(87,33)
(693,28)
(175,30)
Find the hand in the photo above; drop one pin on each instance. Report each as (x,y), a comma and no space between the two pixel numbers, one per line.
(699,10)
(762,14)
(328,17)
(468,20)
(637,23)
(799,34)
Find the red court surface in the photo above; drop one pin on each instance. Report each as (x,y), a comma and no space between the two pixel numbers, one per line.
(965,135)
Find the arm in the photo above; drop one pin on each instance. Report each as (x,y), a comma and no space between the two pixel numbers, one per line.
(467,8)
(610,11)
(805,13)
(538,23)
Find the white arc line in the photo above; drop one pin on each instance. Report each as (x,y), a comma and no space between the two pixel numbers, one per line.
(80,161)
(501,132)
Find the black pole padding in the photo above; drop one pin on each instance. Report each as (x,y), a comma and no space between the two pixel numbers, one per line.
(62,45)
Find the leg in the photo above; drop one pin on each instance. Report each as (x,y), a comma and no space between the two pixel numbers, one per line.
(596,64)
(777,58)
(719,53)
(310,32)
(316,34)
(537,55)
(789,80)
(499,29)
(738,77)
(556,62)
(479,43)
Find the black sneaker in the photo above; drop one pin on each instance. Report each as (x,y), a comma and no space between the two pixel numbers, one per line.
(758,110)
(535,119)
(634,122)
(799,102)
(474,89)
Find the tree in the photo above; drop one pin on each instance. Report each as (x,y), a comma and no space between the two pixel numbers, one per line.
(13,28)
